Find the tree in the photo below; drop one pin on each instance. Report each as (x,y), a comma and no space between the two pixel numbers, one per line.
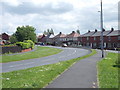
(45,33)
(51,31)
(13,39)
(78,31)
(48,32)
(25,33)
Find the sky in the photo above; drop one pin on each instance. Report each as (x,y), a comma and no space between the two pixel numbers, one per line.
(61,15)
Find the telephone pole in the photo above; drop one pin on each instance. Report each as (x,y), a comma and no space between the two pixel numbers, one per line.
(102,31)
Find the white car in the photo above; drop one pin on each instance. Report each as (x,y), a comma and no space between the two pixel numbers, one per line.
(64,45)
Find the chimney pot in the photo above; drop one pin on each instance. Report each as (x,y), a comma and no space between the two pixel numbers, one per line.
(103,29)
(73,31)
(95,30)
(60,33)
(112,29)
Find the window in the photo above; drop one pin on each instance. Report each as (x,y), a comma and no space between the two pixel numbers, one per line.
(109,45)
(87,44)
(87,38)
(94,44)
(94,38)
(81,38)
(109,38)
(118,37)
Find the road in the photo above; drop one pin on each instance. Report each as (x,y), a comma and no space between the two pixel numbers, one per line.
(66,54)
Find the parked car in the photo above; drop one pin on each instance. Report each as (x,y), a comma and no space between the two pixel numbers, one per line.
(64,45)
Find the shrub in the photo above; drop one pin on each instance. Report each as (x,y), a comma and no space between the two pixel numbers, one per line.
(26,44)
(31,43)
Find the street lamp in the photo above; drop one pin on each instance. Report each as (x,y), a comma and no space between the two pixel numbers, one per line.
(101,17)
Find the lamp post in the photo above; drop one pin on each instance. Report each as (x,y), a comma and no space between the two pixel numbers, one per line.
(101,17)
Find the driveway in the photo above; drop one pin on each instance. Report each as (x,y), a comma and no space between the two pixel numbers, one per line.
(66,54)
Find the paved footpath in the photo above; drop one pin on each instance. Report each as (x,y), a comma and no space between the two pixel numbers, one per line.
(82,74)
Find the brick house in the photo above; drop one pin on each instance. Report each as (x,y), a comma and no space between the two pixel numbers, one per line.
(92,39)
(85,39)
(41,38)
(113,40)
(72,39)
(59,39)
(4,38)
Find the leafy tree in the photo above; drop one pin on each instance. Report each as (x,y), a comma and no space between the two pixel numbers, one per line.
(78,31)
(13,39)
(25,33)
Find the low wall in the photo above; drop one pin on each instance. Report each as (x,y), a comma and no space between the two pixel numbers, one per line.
(26,50)
(12,49)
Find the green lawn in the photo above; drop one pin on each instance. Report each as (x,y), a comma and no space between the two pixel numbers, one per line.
(37,77)
(107,74)
(40,52)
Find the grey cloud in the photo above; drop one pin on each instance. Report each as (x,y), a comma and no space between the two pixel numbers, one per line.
(29,8)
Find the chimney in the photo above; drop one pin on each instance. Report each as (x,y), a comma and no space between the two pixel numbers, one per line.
(60,33)
(73,31)
(112,29)
(103,29)
(95,30)
(88,31)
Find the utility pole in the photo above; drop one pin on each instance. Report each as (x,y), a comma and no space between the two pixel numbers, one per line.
(102,31)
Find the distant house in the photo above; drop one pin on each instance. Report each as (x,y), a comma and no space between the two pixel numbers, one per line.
(41,38)
(112,40)
(59,39)
(85,38)
(92,39)
(72,38)
(4,38)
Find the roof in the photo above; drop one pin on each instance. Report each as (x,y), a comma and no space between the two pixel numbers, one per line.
(98,33)
(114,33)
(51,36)
(41,36)
(73,34)
(60,35)
(88,34)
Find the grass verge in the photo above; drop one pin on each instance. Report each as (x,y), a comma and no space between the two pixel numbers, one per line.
(37,77)
(40,52)
(107,73)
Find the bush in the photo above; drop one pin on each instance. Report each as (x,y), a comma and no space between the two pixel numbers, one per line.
(31,43)
(26,44)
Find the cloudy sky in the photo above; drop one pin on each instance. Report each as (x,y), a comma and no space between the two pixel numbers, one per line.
(61,15)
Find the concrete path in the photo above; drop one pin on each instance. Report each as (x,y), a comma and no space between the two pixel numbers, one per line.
(66,54)
(82,74)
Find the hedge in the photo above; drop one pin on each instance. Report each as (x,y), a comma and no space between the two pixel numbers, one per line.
(31,43)
(26,44)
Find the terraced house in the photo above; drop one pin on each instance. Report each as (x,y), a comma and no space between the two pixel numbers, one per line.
(90,39)
(93,39)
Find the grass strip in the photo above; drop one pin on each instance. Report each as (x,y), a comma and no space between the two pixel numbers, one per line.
(37,77)
(107,73)
(40,52)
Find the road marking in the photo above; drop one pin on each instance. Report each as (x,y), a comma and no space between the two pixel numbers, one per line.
(22,64)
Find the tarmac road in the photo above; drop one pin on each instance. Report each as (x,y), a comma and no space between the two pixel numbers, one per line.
(66,54)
